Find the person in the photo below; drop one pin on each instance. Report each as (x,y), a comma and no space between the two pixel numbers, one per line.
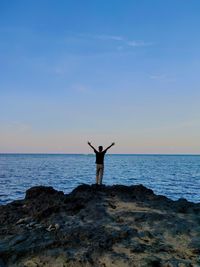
(100,162)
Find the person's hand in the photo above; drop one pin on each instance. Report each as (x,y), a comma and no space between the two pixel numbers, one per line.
(113,144)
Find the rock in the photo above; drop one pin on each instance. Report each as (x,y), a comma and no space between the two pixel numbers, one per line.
(30,263)
(173,262)
(119,219)
(38,225)
(151,261)
(23,220)
(113,206)
(47,212)
(18,239)
(57,226)
(136,247)
(182,205)
(31,224)
(145,234)
(2,263)
(51,228)
(38,191)
(99,226)
(194,245)
(16,203)
(163,247)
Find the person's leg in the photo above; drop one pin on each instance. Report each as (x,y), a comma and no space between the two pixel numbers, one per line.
(97,174)
(101,174)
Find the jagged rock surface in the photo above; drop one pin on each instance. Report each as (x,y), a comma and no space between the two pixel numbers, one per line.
(99,226)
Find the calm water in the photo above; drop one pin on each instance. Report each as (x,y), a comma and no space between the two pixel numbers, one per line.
(169,175)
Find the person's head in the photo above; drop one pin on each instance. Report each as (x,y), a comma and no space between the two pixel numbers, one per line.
(100,148)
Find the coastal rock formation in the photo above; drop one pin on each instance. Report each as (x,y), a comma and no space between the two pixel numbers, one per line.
(99,226)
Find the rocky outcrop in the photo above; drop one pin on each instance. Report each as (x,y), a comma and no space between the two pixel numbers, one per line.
(99,226)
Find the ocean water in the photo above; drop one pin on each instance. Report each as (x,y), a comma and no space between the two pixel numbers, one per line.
(175,176)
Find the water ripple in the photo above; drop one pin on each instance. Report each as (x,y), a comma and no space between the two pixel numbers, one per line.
(172,176)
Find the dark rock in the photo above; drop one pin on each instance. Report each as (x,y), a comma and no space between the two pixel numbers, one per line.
(98,226)
(17,203)
(112,205)
(18,239)
(194,245)
(183,205)
(136,247)
(151,261)
(173,262)
(2,263)
(76,206)
(145,234)
(38,191)
(46,212)
(163,247)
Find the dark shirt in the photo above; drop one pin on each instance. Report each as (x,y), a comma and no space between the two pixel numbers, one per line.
(100,157)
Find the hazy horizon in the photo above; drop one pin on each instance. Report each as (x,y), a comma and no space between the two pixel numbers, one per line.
(100,71)
(91,153)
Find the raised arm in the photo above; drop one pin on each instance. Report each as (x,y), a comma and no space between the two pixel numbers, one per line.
(92,146)
(109,147)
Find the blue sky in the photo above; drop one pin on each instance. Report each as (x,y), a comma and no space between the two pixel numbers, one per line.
(100,70)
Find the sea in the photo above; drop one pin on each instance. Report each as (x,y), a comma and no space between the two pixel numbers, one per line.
(174,176)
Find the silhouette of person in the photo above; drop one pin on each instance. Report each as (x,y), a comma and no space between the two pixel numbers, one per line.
(100,162)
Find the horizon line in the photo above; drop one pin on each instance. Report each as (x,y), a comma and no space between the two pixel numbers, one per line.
(53,153)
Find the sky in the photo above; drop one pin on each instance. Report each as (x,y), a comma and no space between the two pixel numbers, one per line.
(123,71)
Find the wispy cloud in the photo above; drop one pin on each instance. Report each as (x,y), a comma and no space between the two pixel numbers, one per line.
(157,76)
(59,70)
(162,77)
(119,39)
(109,37)
(138,43)
(80,88)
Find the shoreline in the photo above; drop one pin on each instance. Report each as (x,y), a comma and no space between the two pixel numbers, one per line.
(107,185)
